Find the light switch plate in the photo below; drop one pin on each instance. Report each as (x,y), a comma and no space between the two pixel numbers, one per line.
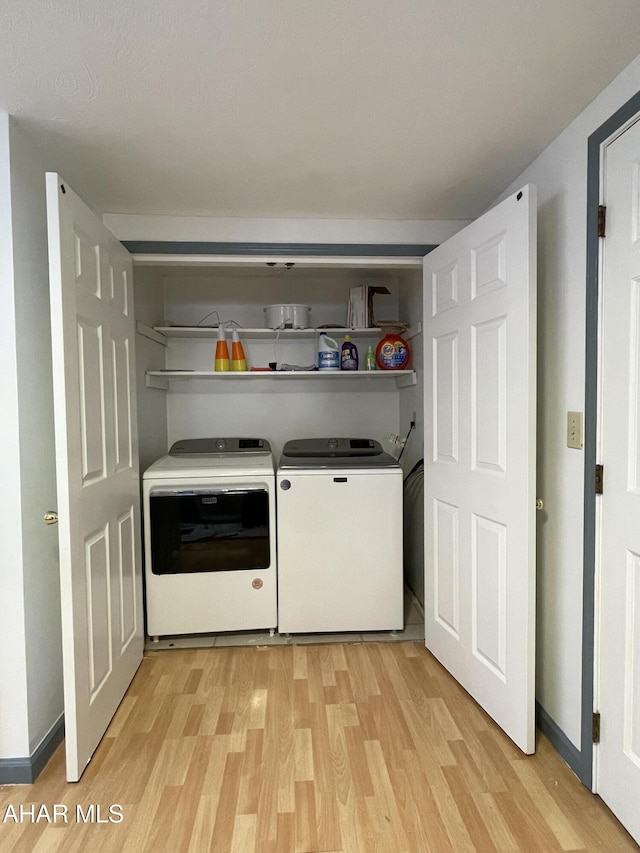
(574,430)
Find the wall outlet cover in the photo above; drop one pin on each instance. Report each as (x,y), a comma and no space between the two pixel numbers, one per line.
(574,430)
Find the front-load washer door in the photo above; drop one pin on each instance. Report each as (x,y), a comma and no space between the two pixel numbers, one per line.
(209,530)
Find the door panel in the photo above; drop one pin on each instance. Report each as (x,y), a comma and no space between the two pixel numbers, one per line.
(488,395)
(445,378)
(96,467)
(129,599)
(618,678)
(480,319)
(488,585)
(123,416)
(447,567)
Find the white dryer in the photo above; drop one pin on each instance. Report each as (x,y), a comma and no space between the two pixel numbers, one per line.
(210,537)
(339,537)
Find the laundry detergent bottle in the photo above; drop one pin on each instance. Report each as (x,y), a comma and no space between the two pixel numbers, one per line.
(348,355)
(328,353)
(393,353)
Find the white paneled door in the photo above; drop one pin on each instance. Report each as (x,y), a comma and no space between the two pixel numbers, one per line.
(480,453)
(618,674)
(97,468)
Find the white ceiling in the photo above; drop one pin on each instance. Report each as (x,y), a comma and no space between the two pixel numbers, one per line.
(370,109)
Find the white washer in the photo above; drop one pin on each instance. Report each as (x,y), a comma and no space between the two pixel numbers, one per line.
(210,537)
(339,537)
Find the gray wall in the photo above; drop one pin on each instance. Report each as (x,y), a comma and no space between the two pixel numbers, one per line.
(30,654)
(37,453)
(14,730)
(560,174)
(152,403)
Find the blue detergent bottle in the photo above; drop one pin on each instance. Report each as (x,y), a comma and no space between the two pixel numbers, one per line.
(348,355)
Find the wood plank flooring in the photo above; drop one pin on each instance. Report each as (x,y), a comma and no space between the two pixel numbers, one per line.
(352,748)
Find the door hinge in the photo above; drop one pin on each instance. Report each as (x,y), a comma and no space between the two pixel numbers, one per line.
(602,220)
(595,727)
(599,479)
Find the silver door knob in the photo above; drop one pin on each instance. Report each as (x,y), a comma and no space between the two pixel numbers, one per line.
(51,517)
(539,503)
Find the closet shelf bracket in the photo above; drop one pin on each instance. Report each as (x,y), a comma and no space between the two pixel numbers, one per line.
(156,382)
(150,333)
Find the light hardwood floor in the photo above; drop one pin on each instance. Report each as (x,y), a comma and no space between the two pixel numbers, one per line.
(363,747)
